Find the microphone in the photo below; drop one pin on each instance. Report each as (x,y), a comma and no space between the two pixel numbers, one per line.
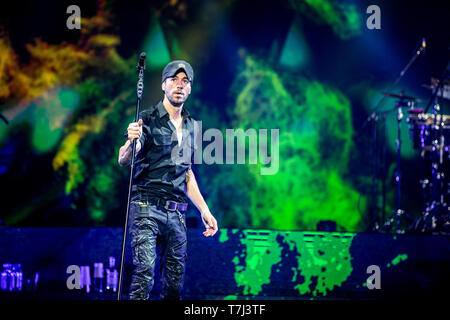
(141,63)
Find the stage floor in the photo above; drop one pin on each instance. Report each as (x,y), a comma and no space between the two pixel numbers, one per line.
(243,264)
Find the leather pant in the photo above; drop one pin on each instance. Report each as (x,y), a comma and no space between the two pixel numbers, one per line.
(152,226)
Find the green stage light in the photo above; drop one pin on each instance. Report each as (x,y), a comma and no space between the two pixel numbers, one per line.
(155,45)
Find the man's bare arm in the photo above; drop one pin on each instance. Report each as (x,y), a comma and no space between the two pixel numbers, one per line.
(125,152)
(134,131)
(194,194)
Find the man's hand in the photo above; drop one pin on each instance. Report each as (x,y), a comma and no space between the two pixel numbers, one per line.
(134,130)
(210,224)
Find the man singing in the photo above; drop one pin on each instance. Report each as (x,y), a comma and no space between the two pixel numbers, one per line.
(161,184)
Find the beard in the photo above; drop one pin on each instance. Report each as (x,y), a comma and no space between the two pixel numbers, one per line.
(176,100)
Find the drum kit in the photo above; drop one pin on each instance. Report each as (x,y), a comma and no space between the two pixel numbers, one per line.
(430,134)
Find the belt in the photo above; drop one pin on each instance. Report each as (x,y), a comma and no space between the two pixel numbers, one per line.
(169,205)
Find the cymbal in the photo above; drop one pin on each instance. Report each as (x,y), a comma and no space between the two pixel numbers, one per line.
(400,96)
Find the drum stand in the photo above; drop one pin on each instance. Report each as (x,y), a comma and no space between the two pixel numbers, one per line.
(436,217)
(393,224)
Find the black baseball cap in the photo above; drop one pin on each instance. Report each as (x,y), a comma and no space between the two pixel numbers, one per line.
(173,67)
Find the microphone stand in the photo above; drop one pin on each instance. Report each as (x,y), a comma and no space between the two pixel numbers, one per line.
(140,88)
(374,116)
(420,50)
(4,118)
